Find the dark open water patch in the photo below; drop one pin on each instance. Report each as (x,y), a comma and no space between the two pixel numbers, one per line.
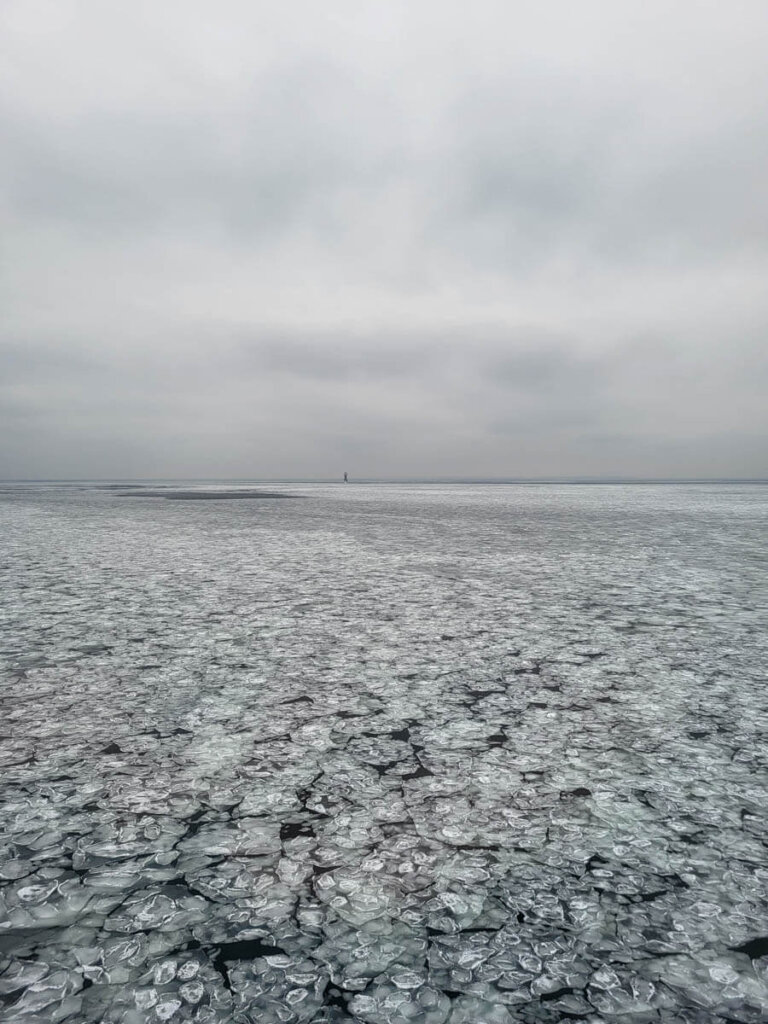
(207,495)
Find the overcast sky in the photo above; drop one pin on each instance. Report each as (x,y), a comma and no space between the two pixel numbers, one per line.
(420,238)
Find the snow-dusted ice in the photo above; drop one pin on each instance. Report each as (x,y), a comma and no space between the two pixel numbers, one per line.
(385,754)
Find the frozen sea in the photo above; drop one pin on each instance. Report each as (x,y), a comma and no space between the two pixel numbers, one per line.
(384,754)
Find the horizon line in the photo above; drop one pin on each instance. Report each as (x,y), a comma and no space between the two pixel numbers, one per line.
(593,479)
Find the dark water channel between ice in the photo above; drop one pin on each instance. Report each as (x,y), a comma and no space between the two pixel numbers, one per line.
(457,754)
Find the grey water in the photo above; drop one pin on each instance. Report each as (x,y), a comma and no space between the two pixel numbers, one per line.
(384,753)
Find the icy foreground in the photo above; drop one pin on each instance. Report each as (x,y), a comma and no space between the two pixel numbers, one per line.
(385,754)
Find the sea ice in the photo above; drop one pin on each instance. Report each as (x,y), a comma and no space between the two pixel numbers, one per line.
(385,754)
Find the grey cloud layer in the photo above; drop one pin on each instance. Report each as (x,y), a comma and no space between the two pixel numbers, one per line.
(406,241)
